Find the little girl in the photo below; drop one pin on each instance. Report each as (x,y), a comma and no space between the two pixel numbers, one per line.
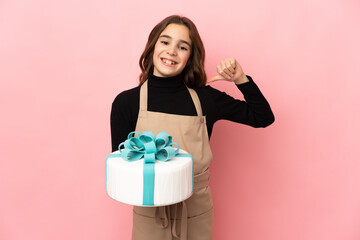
(172,96)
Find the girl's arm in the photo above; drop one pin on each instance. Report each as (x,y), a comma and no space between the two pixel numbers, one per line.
(254,111)
(121,119)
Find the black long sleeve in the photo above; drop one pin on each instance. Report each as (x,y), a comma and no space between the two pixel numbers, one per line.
(169,95)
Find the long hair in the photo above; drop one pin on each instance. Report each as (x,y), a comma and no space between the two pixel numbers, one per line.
(194,73)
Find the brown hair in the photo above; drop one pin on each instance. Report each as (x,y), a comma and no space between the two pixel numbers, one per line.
(194,73)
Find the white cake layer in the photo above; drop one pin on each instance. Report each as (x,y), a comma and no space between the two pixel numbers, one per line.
(173,180)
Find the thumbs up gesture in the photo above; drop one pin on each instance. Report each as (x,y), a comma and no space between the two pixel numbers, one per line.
(229,70)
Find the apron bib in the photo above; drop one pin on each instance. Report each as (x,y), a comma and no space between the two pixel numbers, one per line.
(191,219)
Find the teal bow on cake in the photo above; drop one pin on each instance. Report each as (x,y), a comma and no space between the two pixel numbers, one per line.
(149,146)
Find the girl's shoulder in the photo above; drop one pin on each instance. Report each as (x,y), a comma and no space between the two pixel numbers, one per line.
(129,93)
(127,96)
(205,89)
(208,91)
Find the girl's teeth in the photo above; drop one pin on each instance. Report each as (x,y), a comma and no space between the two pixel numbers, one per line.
(168,62)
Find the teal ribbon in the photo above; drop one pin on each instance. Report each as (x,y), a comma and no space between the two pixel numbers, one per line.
(150,147)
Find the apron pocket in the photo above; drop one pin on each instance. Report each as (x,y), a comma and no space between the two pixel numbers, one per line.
(201,227)
(146,228)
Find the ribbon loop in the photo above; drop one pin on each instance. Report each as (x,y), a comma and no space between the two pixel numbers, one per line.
(134,148)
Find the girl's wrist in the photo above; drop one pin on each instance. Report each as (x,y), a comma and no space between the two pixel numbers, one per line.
(241,80)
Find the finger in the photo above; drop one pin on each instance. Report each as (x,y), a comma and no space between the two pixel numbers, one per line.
(229,67)
(233,62)
(224,71)
(215,78)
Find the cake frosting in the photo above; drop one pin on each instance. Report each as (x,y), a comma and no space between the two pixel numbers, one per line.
(173,181)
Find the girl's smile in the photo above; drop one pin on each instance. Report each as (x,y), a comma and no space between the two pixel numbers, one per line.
(172,51)
(168,62)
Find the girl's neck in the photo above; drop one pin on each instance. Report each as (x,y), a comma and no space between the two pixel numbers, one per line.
(166,82)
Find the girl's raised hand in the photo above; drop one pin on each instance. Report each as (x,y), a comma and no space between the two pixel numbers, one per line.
(229,70)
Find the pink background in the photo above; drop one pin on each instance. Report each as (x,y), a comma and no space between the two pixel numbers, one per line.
(63,62)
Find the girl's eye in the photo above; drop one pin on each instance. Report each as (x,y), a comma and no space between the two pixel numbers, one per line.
(167,43)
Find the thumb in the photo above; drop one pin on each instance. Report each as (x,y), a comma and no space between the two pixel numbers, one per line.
(215,78)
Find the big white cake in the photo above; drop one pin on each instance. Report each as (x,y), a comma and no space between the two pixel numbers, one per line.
(173,181)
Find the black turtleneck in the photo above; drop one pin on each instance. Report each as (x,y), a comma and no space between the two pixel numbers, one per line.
(169,95)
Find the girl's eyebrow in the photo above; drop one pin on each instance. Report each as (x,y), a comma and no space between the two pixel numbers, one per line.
(183,41)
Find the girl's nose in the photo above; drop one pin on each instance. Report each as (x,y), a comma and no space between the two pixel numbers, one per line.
(172,51)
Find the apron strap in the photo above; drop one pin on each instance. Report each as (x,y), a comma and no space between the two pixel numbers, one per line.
(196,101)
(200,181)
(144,98)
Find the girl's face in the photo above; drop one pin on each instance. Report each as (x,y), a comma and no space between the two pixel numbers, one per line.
(172,51)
